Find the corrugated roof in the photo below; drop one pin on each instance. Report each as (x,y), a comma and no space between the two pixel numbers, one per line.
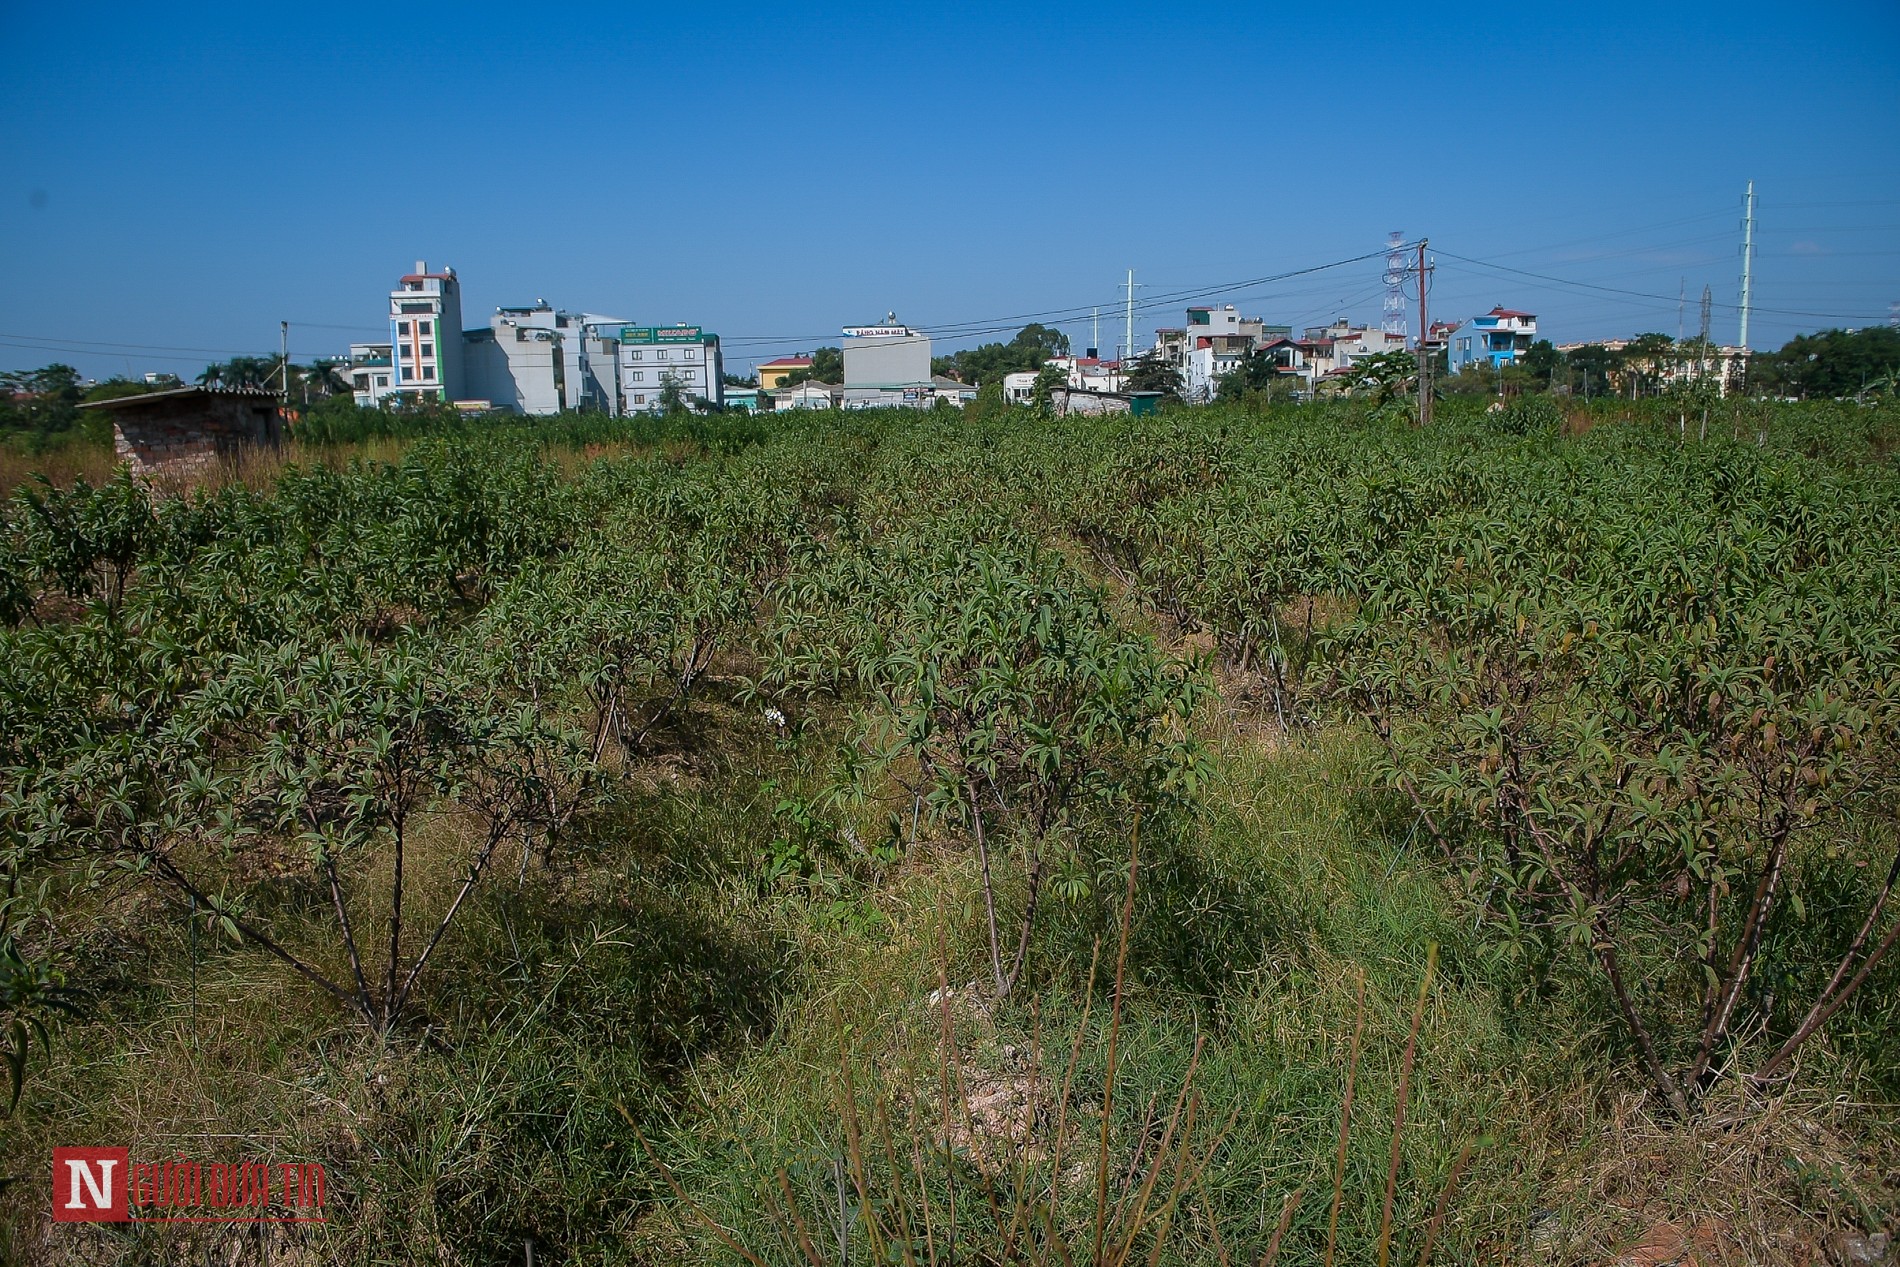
(216,393)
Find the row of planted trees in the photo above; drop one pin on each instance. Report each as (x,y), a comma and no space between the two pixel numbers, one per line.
(288,715)
(1642,697)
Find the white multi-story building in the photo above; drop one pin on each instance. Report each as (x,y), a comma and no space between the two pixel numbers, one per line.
(533,360)
(369,371)
(654,357)
(1213,343)
(537,360)
(425,335)
(887,364)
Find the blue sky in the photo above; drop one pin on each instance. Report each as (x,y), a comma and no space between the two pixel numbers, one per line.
(174,182)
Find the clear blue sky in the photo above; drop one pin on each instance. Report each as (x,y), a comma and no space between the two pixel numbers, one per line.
(176,181)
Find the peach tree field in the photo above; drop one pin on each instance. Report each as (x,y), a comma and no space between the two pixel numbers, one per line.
(1213,837)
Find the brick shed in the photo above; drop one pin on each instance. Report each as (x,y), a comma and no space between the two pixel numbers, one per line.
(186,430)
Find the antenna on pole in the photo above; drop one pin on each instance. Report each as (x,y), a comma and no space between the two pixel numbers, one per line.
(1394,322)
(1748,255)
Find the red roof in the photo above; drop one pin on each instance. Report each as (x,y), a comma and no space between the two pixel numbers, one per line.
(427,277)
(787,363)
(1506,312)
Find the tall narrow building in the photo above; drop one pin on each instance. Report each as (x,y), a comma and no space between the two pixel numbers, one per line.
(425,335)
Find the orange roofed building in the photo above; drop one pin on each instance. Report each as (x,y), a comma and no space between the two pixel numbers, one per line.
(774,373)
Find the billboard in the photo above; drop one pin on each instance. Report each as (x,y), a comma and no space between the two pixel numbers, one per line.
(661,334)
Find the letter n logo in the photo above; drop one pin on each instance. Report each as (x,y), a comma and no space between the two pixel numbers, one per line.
(89,1185)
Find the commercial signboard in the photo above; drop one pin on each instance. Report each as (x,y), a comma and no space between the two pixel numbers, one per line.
(661,334)
(879,332)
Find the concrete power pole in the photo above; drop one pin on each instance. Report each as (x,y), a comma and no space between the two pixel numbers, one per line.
(283,331)
(1128,350)
(1748,256)
(1424,347)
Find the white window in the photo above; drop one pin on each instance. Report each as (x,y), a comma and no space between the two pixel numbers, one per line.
(382,380)
(637,376)
(660,355)
(639,400)
(634,354)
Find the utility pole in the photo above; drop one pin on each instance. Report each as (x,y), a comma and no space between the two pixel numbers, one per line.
(1128,349)
(1095,344)
(1748,255)
(1703,349)
(1424,347)
(283,331)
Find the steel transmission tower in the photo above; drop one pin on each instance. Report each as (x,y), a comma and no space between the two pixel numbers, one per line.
(1395,269)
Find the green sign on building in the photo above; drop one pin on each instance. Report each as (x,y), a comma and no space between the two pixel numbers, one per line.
(661,334)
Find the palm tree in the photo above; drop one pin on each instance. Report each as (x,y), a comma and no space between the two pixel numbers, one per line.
(322,378)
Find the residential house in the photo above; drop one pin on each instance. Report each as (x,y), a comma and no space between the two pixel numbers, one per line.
(368,370)
(774,373)
(948,391)
(1498,338)
(810,394)
(1687,362)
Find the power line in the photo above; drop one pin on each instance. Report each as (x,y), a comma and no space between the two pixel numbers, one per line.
(1638,294)
(1001,324)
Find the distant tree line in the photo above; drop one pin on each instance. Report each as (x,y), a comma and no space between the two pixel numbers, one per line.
(1034,344)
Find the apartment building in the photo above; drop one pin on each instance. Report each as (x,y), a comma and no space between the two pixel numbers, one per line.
(540,360)
(654,357)
(1213,343)
(425,335)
